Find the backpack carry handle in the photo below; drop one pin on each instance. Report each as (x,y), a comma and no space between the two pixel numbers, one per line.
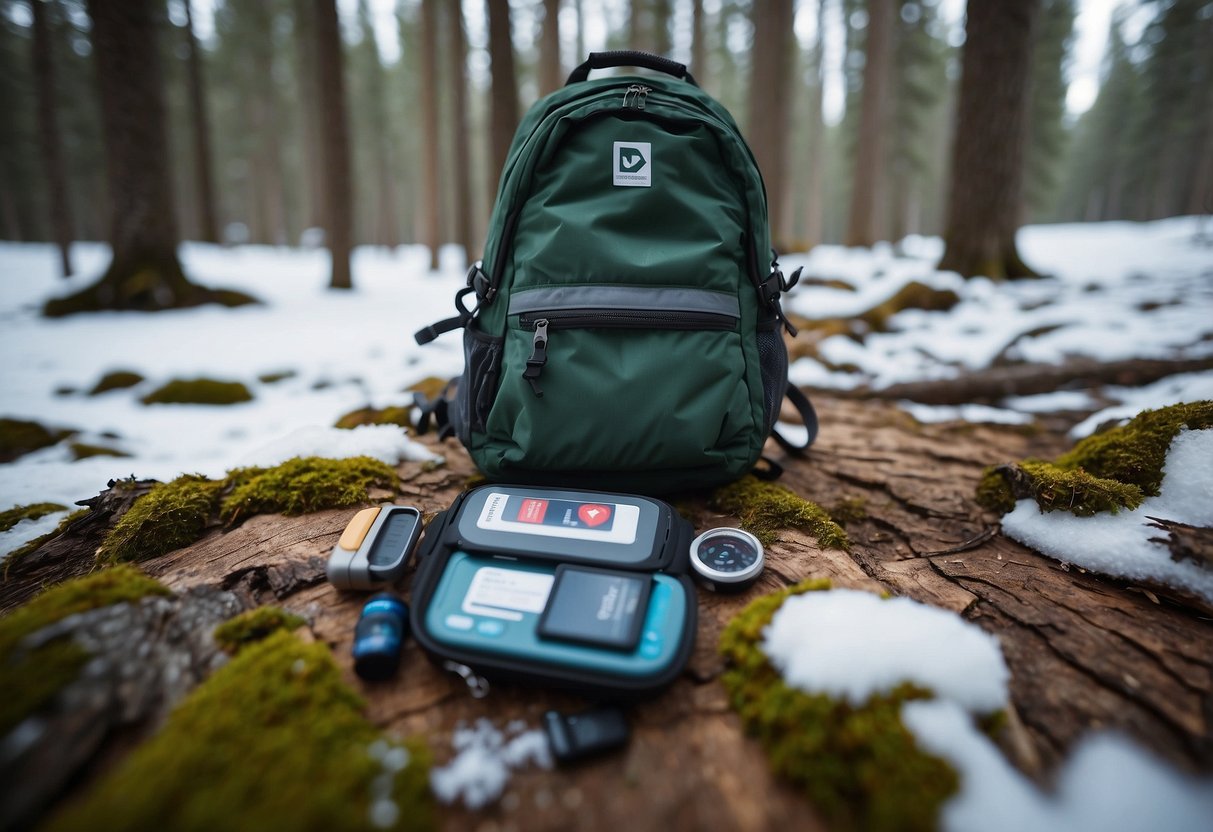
(629,57)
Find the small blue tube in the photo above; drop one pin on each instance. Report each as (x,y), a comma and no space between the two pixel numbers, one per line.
(379,637)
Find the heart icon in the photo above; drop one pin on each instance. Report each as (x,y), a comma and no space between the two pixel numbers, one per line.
(593,514)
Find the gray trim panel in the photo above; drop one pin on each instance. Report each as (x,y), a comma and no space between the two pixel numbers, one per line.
(634,298)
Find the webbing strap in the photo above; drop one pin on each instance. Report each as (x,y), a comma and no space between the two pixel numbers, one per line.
(807,414)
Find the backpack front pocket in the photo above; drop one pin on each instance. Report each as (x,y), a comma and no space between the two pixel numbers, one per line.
(620,378)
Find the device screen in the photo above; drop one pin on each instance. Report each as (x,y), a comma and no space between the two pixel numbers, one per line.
(391,544)
(596,606)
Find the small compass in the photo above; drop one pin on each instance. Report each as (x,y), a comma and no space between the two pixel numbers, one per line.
(726,560)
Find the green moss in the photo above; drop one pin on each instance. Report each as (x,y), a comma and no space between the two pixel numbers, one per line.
(273,740)
(171,515)
(117,380)
(23,550)
(304,484)
(1134,453)
(858,765)
(274,378)
(31,678)
(1105,472)
(913,295)
(849,510)
(19,437)
(994,490)
(81,450)
(375,416)
(199,391)
(15,515)
(431,387)
(253,626)
(765,507)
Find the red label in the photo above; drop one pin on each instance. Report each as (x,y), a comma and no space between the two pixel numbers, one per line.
(532,511)
(593,514)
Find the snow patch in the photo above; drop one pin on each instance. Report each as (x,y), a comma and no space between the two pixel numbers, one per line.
(853,644)
(1107,783)
(1124,545)
(386,443)
(484,758)
(930,413)
(17,536)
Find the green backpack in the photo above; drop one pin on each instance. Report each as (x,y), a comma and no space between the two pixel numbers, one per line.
(627,330)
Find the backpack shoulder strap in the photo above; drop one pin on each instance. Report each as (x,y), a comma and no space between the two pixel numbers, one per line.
(807,415)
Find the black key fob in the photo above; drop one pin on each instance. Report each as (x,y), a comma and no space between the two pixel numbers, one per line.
(578,736)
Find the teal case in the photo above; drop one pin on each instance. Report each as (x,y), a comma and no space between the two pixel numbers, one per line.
(488,621)
(448,623)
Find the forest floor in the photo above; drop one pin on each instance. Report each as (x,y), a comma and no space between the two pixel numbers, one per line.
(1122,325)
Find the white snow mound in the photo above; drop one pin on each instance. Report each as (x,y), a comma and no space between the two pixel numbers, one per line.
(387,443)
(1124,545)
(854,644)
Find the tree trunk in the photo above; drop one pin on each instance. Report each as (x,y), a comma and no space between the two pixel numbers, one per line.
(144,273)
(429,123)
(770,76)
(550,78)
(462,191)
(661,27)
(309,96)
(987,154)
(814,222)
(335,141)
(863,227)
(580,55)
(49,137)
(207,223)
(504,88)
(699,63)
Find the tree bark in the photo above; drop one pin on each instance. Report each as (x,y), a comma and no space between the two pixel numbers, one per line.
(863,226)
(49,136)
(335,141)
(309,96)
(504,89)
(1082,650)
(814,220)
(699,62)
(770,77)
(429,123)
(986,186)
(550,78)
(208,224)
(144,273)
(457,75)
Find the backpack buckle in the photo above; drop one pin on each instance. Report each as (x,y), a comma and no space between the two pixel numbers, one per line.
(479,281)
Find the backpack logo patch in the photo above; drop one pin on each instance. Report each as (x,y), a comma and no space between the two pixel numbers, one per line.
(632,164)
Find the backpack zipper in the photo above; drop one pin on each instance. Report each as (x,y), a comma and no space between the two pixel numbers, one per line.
(543,322)
(638,93)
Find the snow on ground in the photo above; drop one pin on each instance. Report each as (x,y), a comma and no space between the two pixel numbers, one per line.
(1119,289)
(346,350)
(853,644)
(484,758)
(1124,545)
(1115,291)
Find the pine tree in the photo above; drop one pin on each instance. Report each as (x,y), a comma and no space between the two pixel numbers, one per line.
(49,137)
(144,272)
(207,221)
(770,81)
(549,48)
(462,163)
(1047,136)
(864,226)
(986,190)
(429,122)
(504,87)
(335,145)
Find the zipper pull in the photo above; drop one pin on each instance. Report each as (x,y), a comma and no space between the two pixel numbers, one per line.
(478,686)
(636,93)
(539,357)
